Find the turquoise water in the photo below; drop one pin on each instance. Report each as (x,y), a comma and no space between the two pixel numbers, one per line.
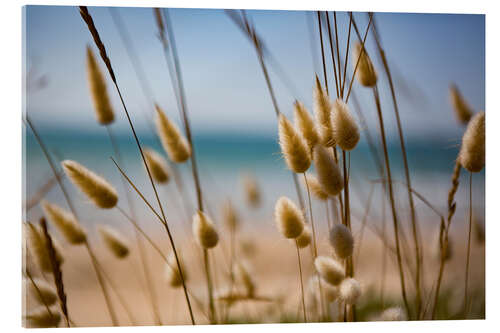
(223,158)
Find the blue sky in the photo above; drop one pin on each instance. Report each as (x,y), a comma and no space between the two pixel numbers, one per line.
(224,85)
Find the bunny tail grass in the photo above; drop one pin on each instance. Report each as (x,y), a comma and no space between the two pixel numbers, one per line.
(366,73)
(114,241)
(345,129)
(328,172)
(65,222)
(463,111)
(305,124)
(289,218)
(174,143)
(97,189)
(472,151)
(158,166)
(323,110)
(293,146)
(98,90)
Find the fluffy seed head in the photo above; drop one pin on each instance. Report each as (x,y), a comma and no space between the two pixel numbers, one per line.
(252,192)
(242,275)
(96,188)
(174,143)
(65,222)
(331,293)
(471,155)
(289,218)
(98,90)
(463,111)
(114,241)
(330,270)
(230,216)
(40,317)
(342,241)
(448,254)
(366,73)
(393,314)
(45,293)
(38,247)
(305,238)
(172,273)
(323,109)
(345,129)
(305,124)
(157,165)
(328,171)
(293,146)
(350,290)
(204,231)
(316,188)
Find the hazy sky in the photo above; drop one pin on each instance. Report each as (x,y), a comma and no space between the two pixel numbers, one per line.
(224,84)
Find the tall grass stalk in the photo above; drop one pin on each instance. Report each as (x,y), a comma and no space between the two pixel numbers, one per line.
(301,282)
(414,222)
(151,292)
(468,249)
(93,30)
(391,198)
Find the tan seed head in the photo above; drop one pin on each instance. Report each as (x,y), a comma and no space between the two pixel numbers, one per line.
(114,241)
(252,192)
(366,73)
(329,270)
(40,317)
(96,188)
(345,129)
(230,216)
(472,151)
(242,274)
(342,241)
(305,238)
(98,90)
(305,124)
(289,218)
(204,231)
(172,272)
(293,146)
(350,291)
(174,143)
(315,187)
(463,111)
(38,247)
(46,294)
(323,109)
(328,171)
(157,165)
(65,222)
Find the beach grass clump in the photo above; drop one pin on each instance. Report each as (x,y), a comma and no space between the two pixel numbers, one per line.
(65,221)
(323,109)
(289,218)
(365,73)
(96,188)
(204,231)
(472,151)
(114,241)
(293,146)
(304,123)
(463,111)
(329,270)
(342,241)
(328,172)
(157,165)
(98,90)
(345,129)
(172,140)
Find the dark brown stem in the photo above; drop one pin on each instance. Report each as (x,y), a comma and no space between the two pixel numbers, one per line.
(323,54)
(335,75)
(346,55)
(338,46)
(93,30)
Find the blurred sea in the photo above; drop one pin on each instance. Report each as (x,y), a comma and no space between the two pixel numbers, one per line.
(223,158)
